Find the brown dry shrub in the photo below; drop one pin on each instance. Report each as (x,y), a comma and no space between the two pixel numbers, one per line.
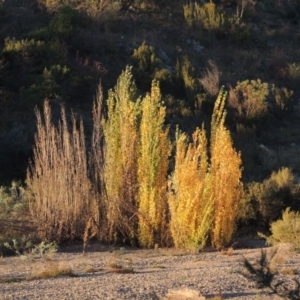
(210,79)
(58,187)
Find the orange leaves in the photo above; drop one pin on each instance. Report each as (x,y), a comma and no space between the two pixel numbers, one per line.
(204,193)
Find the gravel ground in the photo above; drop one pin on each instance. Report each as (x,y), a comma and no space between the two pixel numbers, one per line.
(155,274)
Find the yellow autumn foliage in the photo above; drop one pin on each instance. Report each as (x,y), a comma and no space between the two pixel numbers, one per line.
(190,197)
(226,176)
(154,150)
(205,189)
(121,156)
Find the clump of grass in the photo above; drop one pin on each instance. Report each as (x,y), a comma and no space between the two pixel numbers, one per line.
(288,271)
(228,252)
(158,267)
(294,73)
(11,280)
(53,270)
(89,269)
(59,205)
(211,79)
(204,17)
(119,264)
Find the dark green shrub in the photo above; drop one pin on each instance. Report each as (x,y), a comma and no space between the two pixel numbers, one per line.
(32,55)
(294,74)
(13,211)
(239,32)
(66,22)
(2,11)
(283,100)
(166,80)
(145,63)
(289,10)
(24,71)
(273,195)
(41,34)
(50,85)
(186,80)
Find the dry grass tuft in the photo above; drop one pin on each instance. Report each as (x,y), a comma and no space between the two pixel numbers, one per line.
(228,252)
(58,187)
(52,270)
(211,79)
(115,268)
(288,271)
(92,270)
(119,264)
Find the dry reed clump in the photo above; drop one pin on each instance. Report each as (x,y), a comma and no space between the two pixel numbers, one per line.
(211,79)
(119,264)
(58,187)
(91,230)
(96,173)
(52,270)
(249,101)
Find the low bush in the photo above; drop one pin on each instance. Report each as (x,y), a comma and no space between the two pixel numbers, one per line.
(204,17)
(283,100)
(13,214)
(210,79)
(248,100)
(273,195)
(66,22)
(239,32)
(187,84)
(286,229)
(146,64)
(294,73)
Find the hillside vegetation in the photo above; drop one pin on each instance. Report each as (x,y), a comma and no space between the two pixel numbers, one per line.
(148,122)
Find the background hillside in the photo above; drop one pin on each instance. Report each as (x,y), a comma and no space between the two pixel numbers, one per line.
(61,50)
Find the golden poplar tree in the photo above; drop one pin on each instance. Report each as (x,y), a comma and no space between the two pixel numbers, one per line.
(121,157)
(226,176)
(154,150)
(205,192)
(190,199)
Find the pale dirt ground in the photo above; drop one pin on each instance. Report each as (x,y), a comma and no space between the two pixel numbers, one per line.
(156,273)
